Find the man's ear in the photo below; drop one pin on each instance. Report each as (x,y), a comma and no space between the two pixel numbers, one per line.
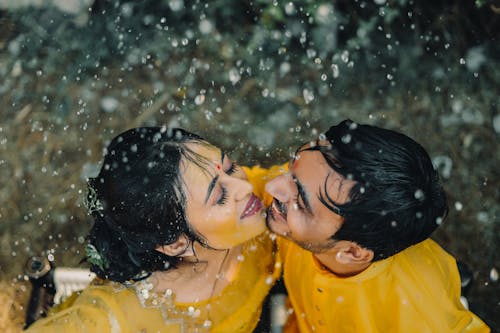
(352,253)
(180,248)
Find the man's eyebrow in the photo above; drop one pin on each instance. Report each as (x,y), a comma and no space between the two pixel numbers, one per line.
(303,194)
(211,186)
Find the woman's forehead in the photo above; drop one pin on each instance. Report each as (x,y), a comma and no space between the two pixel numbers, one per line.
(198,168)
(204,150)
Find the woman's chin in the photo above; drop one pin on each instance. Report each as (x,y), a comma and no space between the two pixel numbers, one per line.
(257,229)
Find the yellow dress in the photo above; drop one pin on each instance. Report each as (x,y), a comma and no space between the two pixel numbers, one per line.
(259,176)
(112,307)
(416,290)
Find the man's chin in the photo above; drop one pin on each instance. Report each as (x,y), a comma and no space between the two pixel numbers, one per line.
(269,223)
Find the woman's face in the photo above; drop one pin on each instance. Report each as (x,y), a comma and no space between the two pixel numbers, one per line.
(220,204)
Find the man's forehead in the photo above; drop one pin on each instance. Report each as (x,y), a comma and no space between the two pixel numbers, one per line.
(313,171)
(310,146)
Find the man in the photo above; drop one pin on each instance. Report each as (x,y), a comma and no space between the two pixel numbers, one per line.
(356,208)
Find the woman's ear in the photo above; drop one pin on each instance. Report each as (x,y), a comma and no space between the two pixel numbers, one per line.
(180,248)
(354,254)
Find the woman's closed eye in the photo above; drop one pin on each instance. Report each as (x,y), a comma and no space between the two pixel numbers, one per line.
(223,196)
(232,169)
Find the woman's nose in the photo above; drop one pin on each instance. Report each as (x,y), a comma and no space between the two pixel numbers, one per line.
(278,188)
(242,187)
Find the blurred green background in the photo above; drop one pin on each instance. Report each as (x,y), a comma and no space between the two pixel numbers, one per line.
(257,78)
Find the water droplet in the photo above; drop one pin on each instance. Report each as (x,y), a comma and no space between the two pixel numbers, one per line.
(234,75)
(444,164)
(493,275)
(335,71)
(109,104)
(308,95)
(311,53)
(290,8)
(345,56)
(285,68)
(205,26)
(176,5)
(346,138)
(496,123)
(200,99)
(419,195)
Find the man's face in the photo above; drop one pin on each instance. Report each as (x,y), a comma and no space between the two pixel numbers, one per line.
(297,212)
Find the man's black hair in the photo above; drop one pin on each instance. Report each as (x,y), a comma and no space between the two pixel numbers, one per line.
(397,200)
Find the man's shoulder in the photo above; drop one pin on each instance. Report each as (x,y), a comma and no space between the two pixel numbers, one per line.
(428,248)
(427,258)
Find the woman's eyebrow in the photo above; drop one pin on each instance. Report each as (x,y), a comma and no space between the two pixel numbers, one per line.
(211,186)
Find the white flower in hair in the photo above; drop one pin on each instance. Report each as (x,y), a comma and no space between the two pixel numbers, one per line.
(93,203)
(95,258)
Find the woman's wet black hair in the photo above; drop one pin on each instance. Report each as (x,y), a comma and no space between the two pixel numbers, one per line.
(397,200)
(137,202)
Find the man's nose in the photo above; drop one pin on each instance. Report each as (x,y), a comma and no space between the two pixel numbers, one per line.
(278,188)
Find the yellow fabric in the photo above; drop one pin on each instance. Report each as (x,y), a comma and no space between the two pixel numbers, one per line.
(259,176)
(111,307)
(417,290)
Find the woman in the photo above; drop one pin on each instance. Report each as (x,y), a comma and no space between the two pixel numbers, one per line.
(179,241)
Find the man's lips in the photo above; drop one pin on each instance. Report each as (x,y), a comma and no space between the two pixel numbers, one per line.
(253,206)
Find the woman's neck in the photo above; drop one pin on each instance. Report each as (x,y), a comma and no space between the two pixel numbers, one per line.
(200,276)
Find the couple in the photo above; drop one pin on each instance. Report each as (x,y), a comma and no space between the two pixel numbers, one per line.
(180,243)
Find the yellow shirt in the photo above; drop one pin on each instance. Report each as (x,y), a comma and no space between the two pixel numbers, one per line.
(113,307)
(416,290)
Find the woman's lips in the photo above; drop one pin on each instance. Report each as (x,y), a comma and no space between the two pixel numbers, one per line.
(253,206)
